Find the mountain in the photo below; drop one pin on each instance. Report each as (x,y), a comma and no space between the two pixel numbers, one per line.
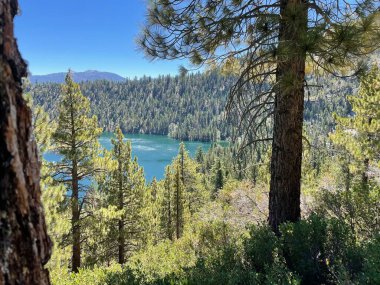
(89,75)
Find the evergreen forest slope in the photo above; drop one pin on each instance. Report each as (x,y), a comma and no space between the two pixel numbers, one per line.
(186,108)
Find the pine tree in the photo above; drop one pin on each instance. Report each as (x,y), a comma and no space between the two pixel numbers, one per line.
(183,194)
(152,212)
(267,45)
(75,139)
(126,191)
(359,134)
(178,197)
(218,176)
(167,205)
(199,156)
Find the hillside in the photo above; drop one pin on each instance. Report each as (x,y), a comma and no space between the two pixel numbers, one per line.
(89,75)
(187,108)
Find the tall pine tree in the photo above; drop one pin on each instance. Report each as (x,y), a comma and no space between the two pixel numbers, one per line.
(75,139)
(126,191)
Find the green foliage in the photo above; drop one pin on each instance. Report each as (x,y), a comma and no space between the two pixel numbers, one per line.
(75,139)
(183,194)
(316,248)
(186,108)
(260,248)
(76,135)
(371,266)
(357,206)
(94,276)
(125,190)
(177,232)
(359,134)
(162,261)
(352,192)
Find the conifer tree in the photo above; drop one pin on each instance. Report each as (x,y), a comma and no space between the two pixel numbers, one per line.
(267,45)
(126,191)
(218,176)
(75,139)
(43,125)
(359,134)
(167,205)
(178,197)
(152,211)
(199,156)
(183,193)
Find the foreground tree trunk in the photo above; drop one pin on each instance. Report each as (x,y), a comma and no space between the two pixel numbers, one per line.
(24,245)
(285,189)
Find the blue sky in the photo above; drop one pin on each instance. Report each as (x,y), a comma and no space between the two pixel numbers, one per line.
(55,35)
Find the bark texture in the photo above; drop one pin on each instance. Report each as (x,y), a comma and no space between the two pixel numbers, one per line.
(24,244)
(285,188)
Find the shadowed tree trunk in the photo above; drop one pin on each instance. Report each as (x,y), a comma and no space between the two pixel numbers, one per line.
(285,188)
(24,244)
(75,207)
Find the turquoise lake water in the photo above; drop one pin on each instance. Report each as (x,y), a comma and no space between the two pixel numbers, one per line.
(154,152)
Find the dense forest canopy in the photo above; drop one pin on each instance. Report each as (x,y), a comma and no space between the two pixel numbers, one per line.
(185,108)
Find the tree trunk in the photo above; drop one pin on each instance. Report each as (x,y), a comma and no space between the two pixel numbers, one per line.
(121,241)
(24,245)
(177,209)
(285,189)
(365,173)
(121,237)
(75,220)
(169,225)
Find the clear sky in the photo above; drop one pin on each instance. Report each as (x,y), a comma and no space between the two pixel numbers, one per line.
(55,35)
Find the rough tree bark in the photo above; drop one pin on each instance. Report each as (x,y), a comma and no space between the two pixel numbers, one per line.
(24,244)
(285,188)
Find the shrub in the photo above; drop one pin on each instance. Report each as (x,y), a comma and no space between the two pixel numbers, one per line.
(371,264)
(320,250)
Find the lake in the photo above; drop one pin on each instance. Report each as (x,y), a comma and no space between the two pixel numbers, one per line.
(154,152)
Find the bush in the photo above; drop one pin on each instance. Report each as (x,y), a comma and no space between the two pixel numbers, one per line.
(312,251)
(94,276)
(263,257)
(371,264)
(261,248)
(321,251)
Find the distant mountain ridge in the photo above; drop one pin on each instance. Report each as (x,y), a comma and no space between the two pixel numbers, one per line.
(88,75)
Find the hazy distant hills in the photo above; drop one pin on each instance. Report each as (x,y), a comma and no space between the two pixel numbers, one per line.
(89,75)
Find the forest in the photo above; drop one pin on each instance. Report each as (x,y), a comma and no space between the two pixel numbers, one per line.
(292,198)
(204,223)
(185,108)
